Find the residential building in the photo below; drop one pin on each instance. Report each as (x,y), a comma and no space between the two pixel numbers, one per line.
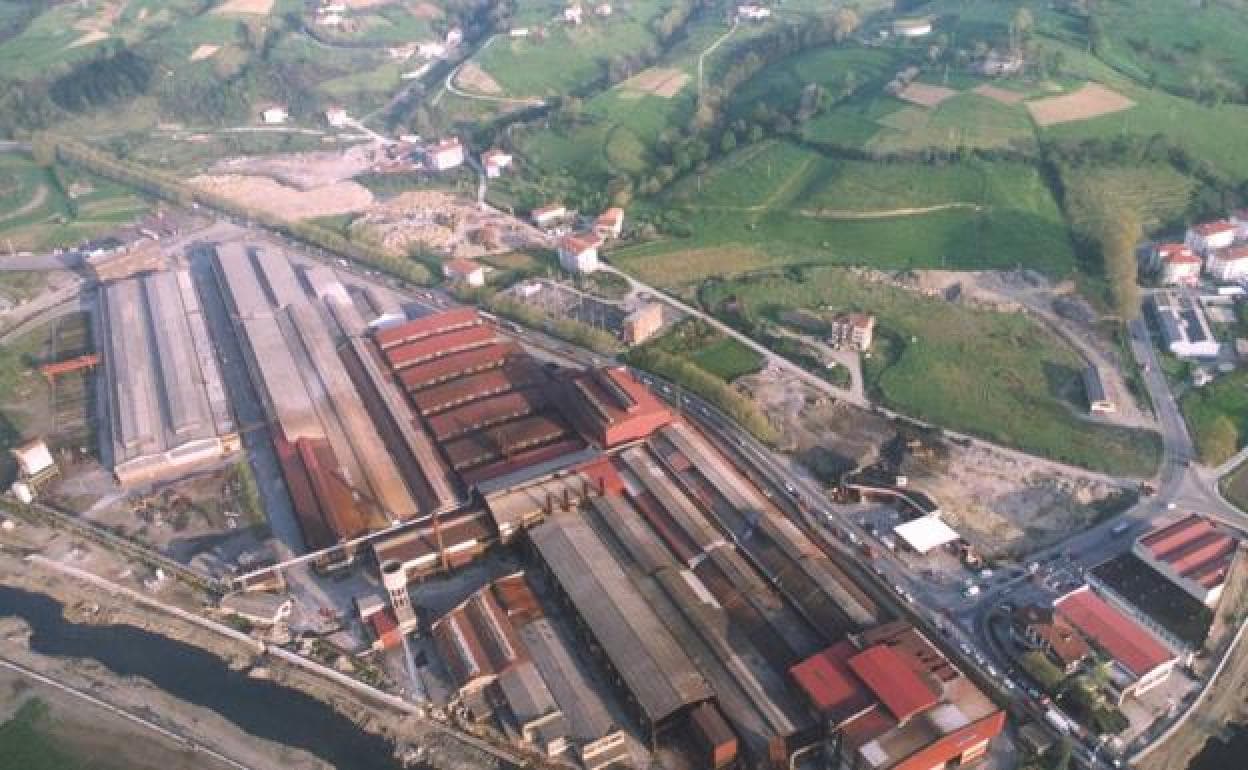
(642,323)
(912,27)
(1041,628)
(579,253)
(603,10)
(1193,553)
(1210,236)
(852,330)
(274,115)
(753,12)
(892,701)
(445,155)
(431,50)
(454,36)
(337,117)
(464,271)
(549,216)
(1139,660)
(1229,264)
(1184,327)
(610,223)
(495,161)
(518,32)
(998,63)
(1099,399)
(1175,264)
(573,14)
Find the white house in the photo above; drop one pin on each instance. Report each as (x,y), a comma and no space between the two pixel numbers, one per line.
(573,14)
(1210,236)
(33,459)
(454,36)
(912,27)
(274,115)
(579,253)
(753,12)
(494,161)
(610,223)
(550,215)
(431,50)
(464,271)
(337,117)
(445,155)
(330,20)
(1228,265)
(1176,264)
(603,9)
(518,32)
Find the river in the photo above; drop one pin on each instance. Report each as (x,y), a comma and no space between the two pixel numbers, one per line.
(262,708)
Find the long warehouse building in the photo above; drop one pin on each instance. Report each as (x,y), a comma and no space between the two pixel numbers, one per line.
(167,409)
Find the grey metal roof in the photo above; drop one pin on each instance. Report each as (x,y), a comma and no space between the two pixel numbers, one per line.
(242,286)
(526,693)
(574,691)
(279,278)
(1093,384)
(656,671)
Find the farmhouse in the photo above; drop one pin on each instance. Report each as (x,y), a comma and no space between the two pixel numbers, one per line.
(464,271)
(548,216)
(1099,400)
(912,27)
(1176,264)
(1139,659)
(445,155)
(852,330)
(518,32)
(1210,236)
(1184,326)
(1193,553)
(337,117)
(997,63)
(274,115)
(494,161)
(610,223)
(579,253)
(431,50)
(573,14)
(642,323)
(1230,264)
(891,699)
(603,10)
(753,12)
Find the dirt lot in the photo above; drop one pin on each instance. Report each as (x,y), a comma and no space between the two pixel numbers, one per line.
(305,170)
(1091,101)
(925,95)
(1003,95)
(257,7)
(658,81)
(444,223)
(287,202)
(472,78)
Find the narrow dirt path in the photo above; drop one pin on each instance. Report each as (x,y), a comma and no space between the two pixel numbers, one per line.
(887,213)
(736,20)
(29,206)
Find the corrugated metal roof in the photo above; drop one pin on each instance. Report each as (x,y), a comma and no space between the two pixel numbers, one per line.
(643,652)
(456,365)
(423,327)
(432,347)
(1119,636)
(898,686)
(829,683)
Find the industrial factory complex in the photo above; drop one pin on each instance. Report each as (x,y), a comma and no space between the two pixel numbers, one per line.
(664,602)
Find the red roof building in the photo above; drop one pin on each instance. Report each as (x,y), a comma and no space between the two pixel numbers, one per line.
(891,679)
(1193,553)
(455,365)
(895,703)
(1141,660)
(435,346)
(438,323)
(610,407)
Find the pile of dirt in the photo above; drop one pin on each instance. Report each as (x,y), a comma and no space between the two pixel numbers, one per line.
(287,202)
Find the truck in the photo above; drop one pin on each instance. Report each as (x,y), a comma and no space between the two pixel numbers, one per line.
(1058,722)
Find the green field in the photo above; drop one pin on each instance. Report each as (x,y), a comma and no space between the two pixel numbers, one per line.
(42,209)
(1217,416)
(788,205)
(1157,192)
(722,356)
(995,375)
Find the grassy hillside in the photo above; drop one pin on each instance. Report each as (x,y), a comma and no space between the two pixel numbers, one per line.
(996,375)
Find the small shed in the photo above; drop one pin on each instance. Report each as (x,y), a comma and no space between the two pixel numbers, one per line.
(926,533)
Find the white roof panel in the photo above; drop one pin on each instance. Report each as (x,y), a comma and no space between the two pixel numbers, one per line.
(926,532)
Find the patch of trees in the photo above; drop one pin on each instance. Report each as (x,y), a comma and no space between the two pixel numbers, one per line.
(100,82)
